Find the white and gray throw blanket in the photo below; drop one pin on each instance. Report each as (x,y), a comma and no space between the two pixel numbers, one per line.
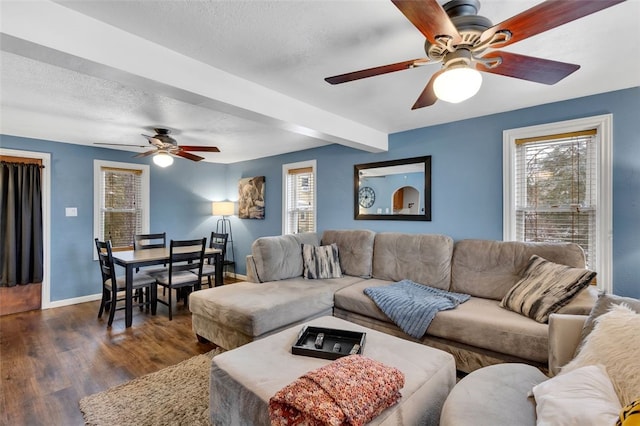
(412,306)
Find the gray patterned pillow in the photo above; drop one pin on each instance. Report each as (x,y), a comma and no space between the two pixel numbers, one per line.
(602,306)
(320,261)
(544,288)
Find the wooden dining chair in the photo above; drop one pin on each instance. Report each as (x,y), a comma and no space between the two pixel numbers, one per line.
(217,241)
(185,257)
(149,241)
(144,285)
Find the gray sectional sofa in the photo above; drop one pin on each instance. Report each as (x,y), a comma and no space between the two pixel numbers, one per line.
(478,332)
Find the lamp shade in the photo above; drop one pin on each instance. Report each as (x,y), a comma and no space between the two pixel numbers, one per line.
(163,159)
(457,84)
(222,208)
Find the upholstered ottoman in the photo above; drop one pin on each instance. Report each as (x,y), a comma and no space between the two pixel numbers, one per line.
(243,379)
(496,395)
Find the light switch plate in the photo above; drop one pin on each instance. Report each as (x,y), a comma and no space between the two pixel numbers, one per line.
(71,211)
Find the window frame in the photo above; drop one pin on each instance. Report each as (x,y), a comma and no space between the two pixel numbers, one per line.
(97,191)
(285,195)
(604,183)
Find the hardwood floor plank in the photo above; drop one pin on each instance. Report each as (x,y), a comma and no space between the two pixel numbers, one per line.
(50,359)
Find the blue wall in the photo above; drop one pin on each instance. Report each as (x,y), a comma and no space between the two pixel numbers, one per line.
(466,178)
(466,188)
(180,205)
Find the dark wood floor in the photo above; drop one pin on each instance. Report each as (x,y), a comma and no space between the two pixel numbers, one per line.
(50,359)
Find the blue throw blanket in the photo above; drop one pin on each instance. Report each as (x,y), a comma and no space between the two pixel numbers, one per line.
(413,306)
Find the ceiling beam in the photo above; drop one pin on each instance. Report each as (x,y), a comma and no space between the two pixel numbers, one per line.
(54,34)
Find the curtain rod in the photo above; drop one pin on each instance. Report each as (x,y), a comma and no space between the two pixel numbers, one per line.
(21,163)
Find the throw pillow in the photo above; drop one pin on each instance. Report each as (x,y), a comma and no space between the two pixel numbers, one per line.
(544,288)
(320,261)
(614,343)
(602,306)
(582,397)
(630,414)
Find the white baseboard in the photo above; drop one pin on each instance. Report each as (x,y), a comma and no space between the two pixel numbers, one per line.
(73,301)
(98,296)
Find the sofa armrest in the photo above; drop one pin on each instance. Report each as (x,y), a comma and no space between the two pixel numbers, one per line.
(252,273)
(564,338)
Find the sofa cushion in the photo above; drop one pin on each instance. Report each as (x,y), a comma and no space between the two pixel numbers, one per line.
(484,324)
(356,250)
(255,309)
(545,287)
(320,261)
(489,269)
(478,322)
(280,257)
(422,258)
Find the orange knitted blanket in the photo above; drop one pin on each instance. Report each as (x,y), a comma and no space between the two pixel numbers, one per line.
(351,390)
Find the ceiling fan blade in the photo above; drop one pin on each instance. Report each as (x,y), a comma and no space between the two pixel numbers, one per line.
(428,96)
(120,144)
(528,67)
(199,148)
(428,17)
(187,155)
(146,153)
(545,16)
(370,72)
(153,140)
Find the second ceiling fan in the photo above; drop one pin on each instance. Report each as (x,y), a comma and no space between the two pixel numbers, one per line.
(459,38)
(166,146)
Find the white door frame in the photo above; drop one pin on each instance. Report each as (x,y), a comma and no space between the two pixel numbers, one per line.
(46,216)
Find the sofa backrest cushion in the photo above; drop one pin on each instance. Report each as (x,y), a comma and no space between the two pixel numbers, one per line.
(421,258)
(280,257)
(355,248)
(488,269)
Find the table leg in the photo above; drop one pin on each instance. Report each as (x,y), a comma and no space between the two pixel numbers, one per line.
(219,269)
(128,303)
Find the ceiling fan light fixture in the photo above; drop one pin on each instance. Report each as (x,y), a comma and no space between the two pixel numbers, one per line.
(457,84)
(163,159)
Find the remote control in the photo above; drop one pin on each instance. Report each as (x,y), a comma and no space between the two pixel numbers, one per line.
(319,340)
(354,349)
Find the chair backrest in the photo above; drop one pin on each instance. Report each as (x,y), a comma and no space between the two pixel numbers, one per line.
(219,241)
(187,255)
(149,241)
(105,259)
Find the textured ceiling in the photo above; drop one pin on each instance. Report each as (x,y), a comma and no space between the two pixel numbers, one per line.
(247,76)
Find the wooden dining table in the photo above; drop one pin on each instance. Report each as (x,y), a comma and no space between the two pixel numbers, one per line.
(133,259)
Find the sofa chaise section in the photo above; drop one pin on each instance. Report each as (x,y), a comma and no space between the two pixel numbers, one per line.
(233,315)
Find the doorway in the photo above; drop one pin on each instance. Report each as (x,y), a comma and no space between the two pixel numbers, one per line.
(31,296)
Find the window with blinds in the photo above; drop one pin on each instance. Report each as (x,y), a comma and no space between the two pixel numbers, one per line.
(300,198)
(121,203)
(556,197)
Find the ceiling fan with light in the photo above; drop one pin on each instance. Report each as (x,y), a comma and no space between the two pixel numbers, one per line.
(165,147)
(459,38)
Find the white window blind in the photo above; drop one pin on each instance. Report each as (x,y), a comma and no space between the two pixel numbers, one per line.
(556,197)
(300,200)
(121,206)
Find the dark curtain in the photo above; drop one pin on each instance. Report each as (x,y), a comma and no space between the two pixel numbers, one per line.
(20,224)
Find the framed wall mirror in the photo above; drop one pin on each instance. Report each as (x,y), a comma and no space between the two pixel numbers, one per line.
(393,190)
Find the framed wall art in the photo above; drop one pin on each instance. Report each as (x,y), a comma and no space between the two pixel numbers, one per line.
(251,197)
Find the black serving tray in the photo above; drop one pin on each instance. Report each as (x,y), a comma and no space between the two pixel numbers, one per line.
(305,344)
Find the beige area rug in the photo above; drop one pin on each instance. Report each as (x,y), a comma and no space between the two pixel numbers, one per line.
(176,395)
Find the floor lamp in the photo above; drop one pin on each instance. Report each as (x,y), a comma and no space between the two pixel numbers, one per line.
(223,226)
